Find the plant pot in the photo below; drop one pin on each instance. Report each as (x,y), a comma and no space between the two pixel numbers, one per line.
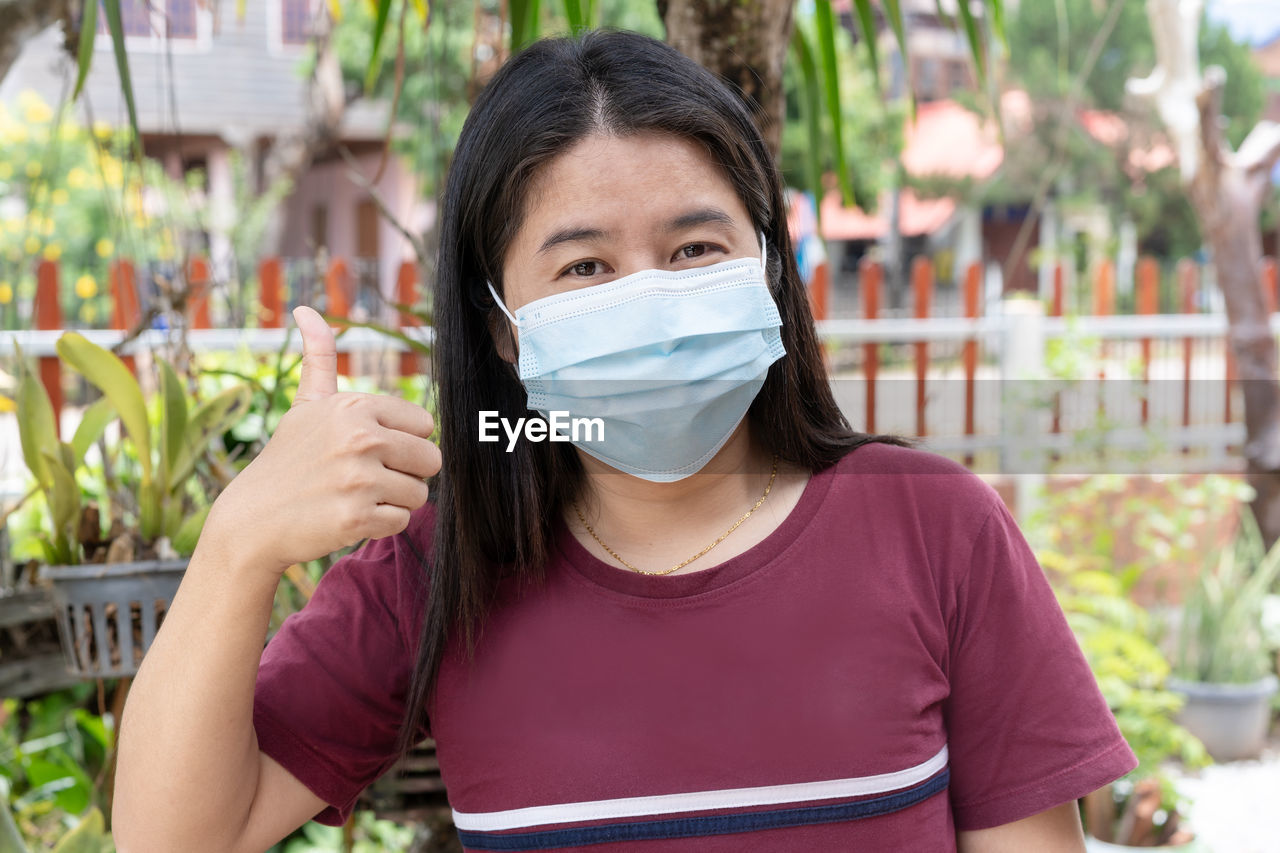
(108,615)
(1093,845)
(1231,720)
(31,659)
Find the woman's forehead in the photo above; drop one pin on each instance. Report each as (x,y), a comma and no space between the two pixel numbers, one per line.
(637,184)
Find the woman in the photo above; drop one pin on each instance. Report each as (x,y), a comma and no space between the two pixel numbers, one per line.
(717,619)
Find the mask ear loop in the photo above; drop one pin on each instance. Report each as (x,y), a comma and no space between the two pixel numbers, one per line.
(764,255)
(498,300)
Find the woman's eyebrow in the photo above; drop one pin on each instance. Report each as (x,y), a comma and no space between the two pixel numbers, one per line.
(701,216)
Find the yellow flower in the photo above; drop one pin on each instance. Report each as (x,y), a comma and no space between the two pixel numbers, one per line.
(33,168)
(105,247)
(6,293)
(102,130)
(112,173)
(34,109)
(86,287)
(89,312)
(165,252)
(6,171)
(60,196)
(18,134)
(7,405)
(47,228)
(76,177)
(52,252)
(31,245)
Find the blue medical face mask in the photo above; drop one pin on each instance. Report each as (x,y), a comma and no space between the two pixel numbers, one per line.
(669,361)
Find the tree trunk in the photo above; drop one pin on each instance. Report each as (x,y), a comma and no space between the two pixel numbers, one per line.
(25,19)
(1227,189)
(1227,194)
(745,42)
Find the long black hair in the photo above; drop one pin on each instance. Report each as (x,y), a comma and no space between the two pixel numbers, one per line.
(496,511)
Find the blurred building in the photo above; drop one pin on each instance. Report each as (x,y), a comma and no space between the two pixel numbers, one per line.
(213,77)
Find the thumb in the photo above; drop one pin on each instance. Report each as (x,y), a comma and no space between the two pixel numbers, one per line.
(319,357)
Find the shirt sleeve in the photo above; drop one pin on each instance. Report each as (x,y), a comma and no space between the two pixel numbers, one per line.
(333,681)
(1027,727)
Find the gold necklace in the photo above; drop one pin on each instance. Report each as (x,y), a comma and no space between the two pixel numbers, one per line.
(701,553)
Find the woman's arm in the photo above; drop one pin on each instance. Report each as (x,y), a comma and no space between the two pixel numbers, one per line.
(1056,830)
(340,468)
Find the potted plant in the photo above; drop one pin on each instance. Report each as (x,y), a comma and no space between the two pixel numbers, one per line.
(1224,667)
(1143,809)
(114,563)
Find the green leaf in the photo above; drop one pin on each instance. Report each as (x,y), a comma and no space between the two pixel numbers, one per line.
(93,423)
(893,11)
(413,343)
(115,26)
(36,430)
(211,418)
(87,837)
(576,14)
(826,26)
(974,35)
(810,109)
(381,14)
(525,15)
(109,375)
(88,33)
(10,839)
(866,22)
(63,496)
(173,423)
(188,533)
(995,8)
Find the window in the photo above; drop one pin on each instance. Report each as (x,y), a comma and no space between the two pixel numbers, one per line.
(153,25)
(135,15)
(295,21)
(181,19)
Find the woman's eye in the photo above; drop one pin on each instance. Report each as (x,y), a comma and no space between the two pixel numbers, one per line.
(585,269)
(693,250)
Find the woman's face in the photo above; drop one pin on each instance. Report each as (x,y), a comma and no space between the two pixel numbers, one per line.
(611,206)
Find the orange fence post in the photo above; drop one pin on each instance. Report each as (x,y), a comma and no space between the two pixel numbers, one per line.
(1148,303)
(125,311)
(1188,284)
(922,289)
(49,318)
(871,275)
(1104,305)
(270,294)
(407,296)
(972,288)
(198,295)
(820,291)
(1270,281)
(336,283)
(1059,287)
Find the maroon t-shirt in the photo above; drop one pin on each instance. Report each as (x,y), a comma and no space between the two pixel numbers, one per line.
(886,667)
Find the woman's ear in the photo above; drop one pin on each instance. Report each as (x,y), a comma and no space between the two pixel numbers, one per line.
(503,337)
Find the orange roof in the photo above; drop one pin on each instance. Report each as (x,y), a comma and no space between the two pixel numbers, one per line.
(946,139)
(916,216)
(951,140)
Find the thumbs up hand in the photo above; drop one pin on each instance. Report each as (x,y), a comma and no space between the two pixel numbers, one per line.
(319,357)
(340,467)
